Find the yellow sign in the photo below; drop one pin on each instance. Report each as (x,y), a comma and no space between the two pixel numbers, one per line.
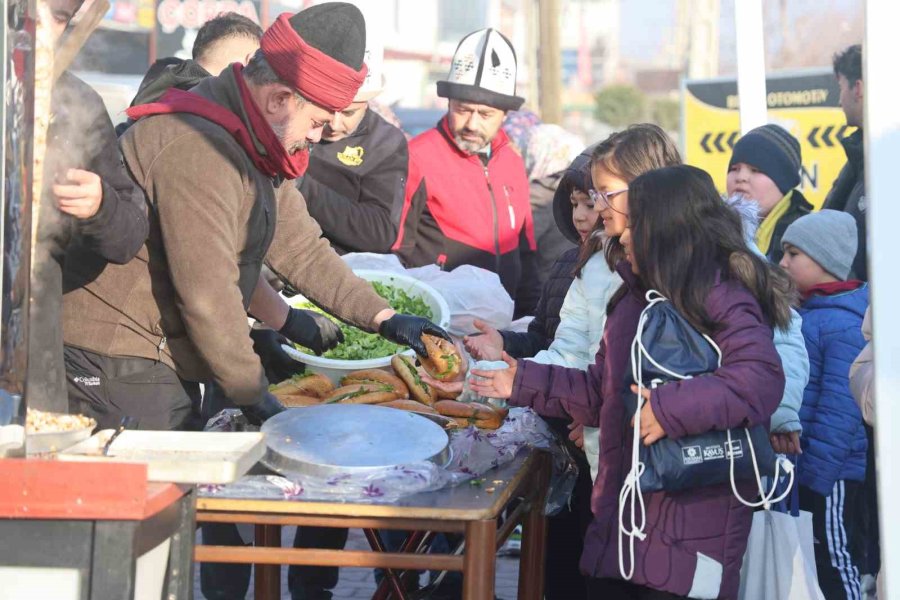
(806,105)
(352,156)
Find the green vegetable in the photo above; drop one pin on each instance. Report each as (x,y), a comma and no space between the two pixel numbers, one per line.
(451,364)
(296,377)
(360,392)
(359,345)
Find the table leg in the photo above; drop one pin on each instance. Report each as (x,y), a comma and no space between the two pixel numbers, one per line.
(392,577)
(480,560)
(267,579)
(534,539)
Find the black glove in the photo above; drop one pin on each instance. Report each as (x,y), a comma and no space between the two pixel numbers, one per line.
(311,329)
(259,413)
(277,364)
(407,330)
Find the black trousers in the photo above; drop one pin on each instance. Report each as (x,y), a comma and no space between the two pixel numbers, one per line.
(107,388)
(230,581)
(617,589)
(565,530)
(836,538)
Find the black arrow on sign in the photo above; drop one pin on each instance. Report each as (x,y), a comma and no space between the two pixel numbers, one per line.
(718,141)
(841,132)
(811,138)
(704,143)
(826,136)
(732,139)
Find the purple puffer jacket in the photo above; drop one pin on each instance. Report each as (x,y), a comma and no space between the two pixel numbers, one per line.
(695,539)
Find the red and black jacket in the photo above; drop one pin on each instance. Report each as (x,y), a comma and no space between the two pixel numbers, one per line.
(470,209)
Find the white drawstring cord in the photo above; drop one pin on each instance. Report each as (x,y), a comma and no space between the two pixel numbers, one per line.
(631,488)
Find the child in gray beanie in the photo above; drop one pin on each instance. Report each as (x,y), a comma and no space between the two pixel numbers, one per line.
(818,255)
(828,237)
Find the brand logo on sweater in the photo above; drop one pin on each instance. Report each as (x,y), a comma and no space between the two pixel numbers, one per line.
(87,381)
(691,455)
(352,156)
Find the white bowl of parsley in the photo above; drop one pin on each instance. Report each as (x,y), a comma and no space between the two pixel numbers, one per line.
(361,350)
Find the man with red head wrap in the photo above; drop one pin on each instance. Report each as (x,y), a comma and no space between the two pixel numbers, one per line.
(215,165)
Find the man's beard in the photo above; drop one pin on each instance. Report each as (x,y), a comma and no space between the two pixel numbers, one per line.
(280,130)
(472,147)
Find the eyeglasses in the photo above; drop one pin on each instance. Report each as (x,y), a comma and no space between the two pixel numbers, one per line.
(605,197)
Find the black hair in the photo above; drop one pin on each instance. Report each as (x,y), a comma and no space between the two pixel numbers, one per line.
(684,236)
(849,63)
(223,26)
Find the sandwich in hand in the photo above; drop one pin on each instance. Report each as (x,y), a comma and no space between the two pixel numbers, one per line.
(443,361)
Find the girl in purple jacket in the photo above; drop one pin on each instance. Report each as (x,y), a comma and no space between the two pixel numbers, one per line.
(684,242)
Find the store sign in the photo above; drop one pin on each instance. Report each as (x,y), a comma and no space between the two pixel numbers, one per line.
(807,105)
(178,21)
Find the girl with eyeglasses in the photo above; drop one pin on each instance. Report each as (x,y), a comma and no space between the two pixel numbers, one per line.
(682,240)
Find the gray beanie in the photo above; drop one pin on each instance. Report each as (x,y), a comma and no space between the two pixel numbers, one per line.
(828,237)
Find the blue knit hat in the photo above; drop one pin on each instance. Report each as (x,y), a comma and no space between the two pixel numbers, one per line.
(828,237)
(772,150)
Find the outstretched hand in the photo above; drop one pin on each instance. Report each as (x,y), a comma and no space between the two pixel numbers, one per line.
(496,383)
(487,345)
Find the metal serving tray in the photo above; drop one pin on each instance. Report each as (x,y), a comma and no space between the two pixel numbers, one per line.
(330,439)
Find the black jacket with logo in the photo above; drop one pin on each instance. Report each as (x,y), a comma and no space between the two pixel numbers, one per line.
(354,187)
(70,252)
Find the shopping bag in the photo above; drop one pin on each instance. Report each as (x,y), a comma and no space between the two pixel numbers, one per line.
(779,563)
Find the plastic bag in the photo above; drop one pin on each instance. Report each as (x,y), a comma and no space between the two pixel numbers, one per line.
(780,563)
(473,451)
(375,262)
(471,293)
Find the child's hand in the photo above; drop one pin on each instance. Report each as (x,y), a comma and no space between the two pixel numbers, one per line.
(651,430)
(576,434)
(81,196)
(496,384)
(451,387)
(786,443)
(488,345)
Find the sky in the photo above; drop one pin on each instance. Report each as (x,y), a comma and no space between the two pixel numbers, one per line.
(647,24)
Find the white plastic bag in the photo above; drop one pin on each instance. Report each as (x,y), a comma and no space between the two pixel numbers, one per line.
(374,262)
(471,293)
(779,563)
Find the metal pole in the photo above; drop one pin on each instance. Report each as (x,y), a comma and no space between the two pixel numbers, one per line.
(16,124)
(751,63)
(882,139)
(550,62)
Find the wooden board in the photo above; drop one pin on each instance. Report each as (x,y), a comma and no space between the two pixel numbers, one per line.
(48,489)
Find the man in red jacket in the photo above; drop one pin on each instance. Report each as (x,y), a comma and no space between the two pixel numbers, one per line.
(467,193)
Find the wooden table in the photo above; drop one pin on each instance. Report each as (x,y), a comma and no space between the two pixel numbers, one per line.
(473,511)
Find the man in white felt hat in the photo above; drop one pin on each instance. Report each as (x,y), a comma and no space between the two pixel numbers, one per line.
(467,192)
(355,183)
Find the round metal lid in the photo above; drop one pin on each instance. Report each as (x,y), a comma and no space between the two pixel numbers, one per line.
(334,438)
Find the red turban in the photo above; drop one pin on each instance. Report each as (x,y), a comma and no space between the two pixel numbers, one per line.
(316,76)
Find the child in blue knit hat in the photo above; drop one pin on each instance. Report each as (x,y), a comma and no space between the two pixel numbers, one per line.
(819,249)
(765,168)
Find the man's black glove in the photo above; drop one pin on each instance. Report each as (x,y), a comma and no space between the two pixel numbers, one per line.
(277,364)
(259,413)
(407,330)
(311,329)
